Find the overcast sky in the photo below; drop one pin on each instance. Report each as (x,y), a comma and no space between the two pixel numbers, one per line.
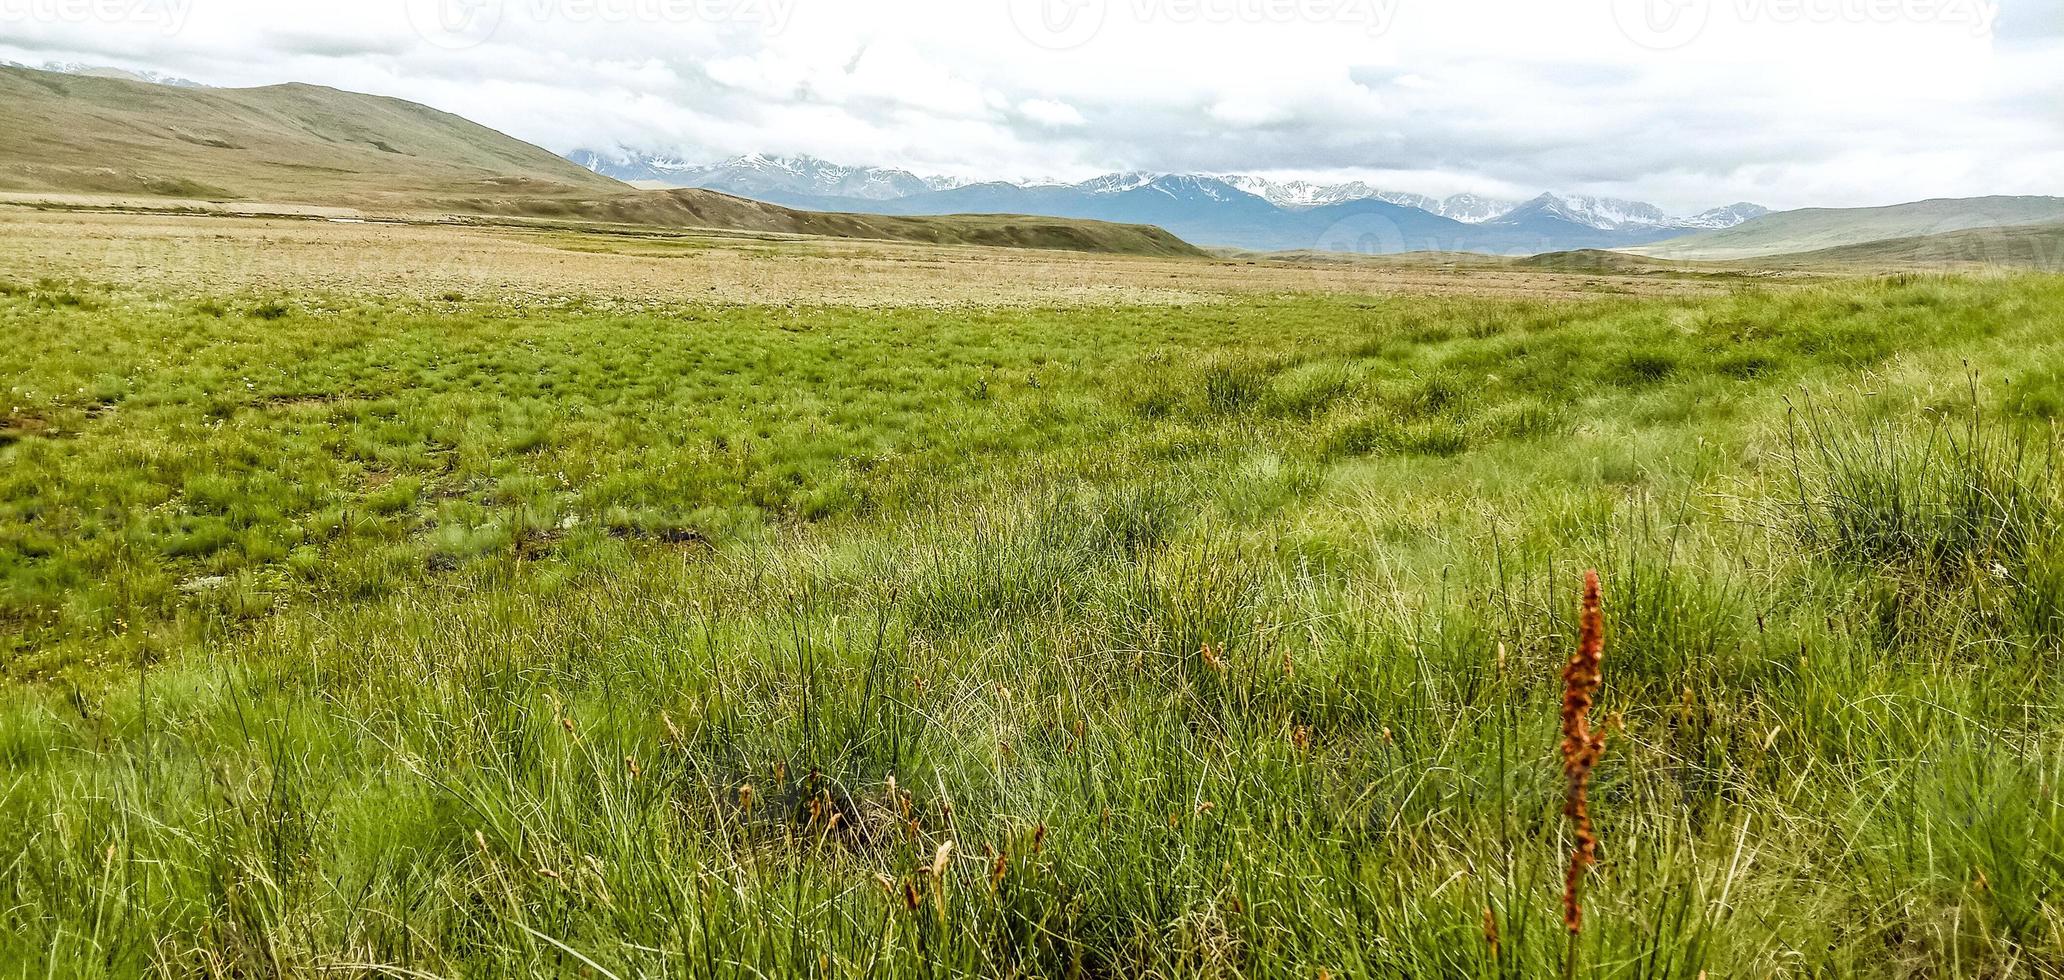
(1687,103)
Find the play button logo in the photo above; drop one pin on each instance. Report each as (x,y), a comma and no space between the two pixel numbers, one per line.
(1662,25)
(1058,25)
(455,24)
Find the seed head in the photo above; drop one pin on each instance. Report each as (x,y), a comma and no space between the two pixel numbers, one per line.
(1581,748)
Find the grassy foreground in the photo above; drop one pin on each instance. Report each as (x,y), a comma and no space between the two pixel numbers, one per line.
(366,638)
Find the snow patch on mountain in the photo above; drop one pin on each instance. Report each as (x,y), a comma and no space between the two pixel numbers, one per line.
(103,71)
(1613,214)
(762,173)
(1303,193)
(1117,183)
(1192,187)
(1726,217)
(1603,213)
(810,177)
(1468,208)
(1472,209)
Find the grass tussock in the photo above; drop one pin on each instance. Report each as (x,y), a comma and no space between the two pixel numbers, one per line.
(1955,518)
(475,638)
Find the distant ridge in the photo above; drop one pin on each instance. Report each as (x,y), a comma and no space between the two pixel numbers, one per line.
(2039,247)
(1815,229)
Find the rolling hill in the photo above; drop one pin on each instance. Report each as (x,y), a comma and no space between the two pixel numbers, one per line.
(1593,261)
(306,143)
(2039,247)
(1818,229)
(693,208)
(299,144)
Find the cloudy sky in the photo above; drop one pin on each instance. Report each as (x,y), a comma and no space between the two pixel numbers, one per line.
(1687,103)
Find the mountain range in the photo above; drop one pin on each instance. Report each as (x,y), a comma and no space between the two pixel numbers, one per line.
(81,130)
(98,134)
(764,177)
(1229,210)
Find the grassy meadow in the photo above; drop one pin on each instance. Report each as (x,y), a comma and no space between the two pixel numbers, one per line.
(476,636)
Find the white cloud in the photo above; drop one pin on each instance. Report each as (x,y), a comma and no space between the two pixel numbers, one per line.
(1051,112)
(1785,102)
(1246,111)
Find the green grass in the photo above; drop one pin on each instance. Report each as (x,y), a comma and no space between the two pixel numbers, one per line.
(443,639)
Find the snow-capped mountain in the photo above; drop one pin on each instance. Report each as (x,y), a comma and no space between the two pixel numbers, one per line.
(1471,208)
(1304,193)
(1199,186)
(1107,184)
(757,175)
(1236,210)
(1467,208)
(804,181)
(634,166)
(1180,187)
(1726,217)
(1612,214)
(1602,213)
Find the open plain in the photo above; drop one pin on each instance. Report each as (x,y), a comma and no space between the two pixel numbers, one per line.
(432,601)
(110,240)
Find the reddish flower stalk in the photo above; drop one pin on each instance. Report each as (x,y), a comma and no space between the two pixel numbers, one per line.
(1581,748)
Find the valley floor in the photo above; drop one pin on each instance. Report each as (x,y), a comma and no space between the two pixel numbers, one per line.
(102,241)
(431,602)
